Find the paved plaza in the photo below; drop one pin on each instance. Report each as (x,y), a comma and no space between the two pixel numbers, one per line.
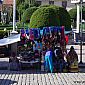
(40,78)
(33,77)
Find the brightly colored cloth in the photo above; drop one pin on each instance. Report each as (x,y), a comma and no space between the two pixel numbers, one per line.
(48,61)
(66,38)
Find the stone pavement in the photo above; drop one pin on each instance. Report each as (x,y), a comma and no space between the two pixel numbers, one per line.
(40,78)
(32,77)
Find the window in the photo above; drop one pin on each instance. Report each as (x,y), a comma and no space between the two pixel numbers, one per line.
(51,2)
(39,2)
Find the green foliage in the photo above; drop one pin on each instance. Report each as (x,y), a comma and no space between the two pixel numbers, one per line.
(64,18)
(44,16)
(73,13)
(28,13)
(46,6)
(3,33)
(22,5)
(20,24)
(83,15)
(50,15)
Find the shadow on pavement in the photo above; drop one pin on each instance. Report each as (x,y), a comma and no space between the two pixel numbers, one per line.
(7,82)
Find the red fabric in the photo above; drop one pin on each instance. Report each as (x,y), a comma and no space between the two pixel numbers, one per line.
(23,35)
(66,38)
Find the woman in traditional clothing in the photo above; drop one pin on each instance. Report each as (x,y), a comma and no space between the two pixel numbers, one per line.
(72,58)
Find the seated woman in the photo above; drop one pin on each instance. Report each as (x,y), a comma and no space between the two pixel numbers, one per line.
(72,59)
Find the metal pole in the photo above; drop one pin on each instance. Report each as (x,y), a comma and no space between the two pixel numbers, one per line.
(78,17)
(81,35)
(14,14)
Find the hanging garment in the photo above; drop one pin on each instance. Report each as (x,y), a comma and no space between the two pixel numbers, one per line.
(27,31)
(44,30)
(36,33)
(41,32)
(62,32)
(55,29)
(66,39)
(22,31)
(39,46)
(31,34)
(52,29)
(47,30)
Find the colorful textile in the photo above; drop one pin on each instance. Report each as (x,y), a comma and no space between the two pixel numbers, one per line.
(27,31)
(41,32)
(31,34)
(35,31)
(66,39)
(48,61)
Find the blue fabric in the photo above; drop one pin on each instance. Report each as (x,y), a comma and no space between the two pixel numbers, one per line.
(59,29)
(47,30)
(55,29)
(38,32)
(48,61)
(40,44)
(34,48)
(41,32)
(35,31)
(27,31)
(36,43)
(31,31)
(22,31)
(44,30)
(52,29)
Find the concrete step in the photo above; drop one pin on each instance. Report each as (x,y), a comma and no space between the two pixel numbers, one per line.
(82,65)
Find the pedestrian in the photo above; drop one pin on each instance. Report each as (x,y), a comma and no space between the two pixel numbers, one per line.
(48,60)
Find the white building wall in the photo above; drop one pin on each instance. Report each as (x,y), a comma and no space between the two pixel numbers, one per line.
(58,3)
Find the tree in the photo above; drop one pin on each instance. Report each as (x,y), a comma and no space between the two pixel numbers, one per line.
(50,15)
(22,5)
(28,13)
(73,15)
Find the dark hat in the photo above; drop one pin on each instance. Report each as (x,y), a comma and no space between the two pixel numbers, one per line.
(72,48)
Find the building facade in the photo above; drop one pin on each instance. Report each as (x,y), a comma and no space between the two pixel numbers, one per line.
(65,3)
(6,7)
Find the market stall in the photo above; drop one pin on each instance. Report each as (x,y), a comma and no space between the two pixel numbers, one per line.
(35,41)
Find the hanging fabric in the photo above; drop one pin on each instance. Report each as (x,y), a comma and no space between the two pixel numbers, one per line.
(27,31)
(22,31)
(35,31)
(31,35)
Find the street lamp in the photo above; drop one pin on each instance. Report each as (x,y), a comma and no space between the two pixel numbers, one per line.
(83,22)
(81,2)
(14,17)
